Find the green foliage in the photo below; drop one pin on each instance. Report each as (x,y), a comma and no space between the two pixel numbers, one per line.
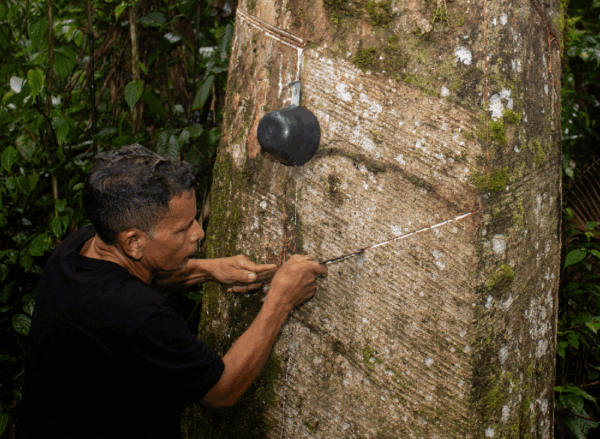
(579,322)
(578,352)
(48,139)
(570,400)
(581,87)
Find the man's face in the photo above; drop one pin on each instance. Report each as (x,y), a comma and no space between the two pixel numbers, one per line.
(176,237)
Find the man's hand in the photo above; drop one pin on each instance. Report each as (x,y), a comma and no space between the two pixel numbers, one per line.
(296,280)
(293,283)
(238,269)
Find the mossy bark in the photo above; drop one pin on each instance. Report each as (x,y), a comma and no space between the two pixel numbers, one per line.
(428,109)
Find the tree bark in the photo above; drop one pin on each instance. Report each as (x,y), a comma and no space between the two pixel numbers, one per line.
(428,110)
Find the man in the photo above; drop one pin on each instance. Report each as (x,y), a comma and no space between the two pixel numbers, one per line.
(108,356)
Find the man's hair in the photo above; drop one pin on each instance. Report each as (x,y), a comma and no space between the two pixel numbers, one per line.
(131,188)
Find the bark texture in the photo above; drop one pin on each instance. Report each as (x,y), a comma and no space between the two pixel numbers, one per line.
(428,109)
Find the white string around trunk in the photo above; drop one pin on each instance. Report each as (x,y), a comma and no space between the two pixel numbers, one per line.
(277,34)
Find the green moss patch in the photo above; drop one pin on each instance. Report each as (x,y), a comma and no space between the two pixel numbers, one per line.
(496,180)
(501,278)
(365,59)
(369,358)
(376,13)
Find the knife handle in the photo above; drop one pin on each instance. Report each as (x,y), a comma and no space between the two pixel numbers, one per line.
(262,277)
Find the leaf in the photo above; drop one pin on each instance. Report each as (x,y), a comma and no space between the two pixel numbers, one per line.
(3,422)
(40,244)
(161,144)
(594,326)
(5,358)
(26,261)
(561,347)
(195,295)
(29,306)
(23,185)
(575,391)
(172,37)
(59,224)
(16,84)
(569,171)
(202,93)
(155,104)
(9,156)
(61,128)
(195,131)
(226,42)
(119,10)
(65,60)
(35,78)
(578,426)
(61,205)
(133,93)
(33,178)
(592,225)
(6,292)
(154,19)
(26,146)
(573,339)
(213,136)
(184,136)
(173,148)
(21,323)
(570,401)
(575,256)
(595,253)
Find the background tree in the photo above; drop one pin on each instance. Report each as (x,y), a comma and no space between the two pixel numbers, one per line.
(427,110)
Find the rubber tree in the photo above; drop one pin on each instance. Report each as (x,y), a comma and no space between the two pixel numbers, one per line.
(428,110)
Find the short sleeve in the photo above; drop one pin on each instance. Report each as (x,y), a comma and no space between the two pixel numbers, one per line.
(179,365)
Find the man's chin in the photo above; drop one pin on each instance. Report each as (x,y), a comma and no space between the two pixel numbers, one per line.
(184,263)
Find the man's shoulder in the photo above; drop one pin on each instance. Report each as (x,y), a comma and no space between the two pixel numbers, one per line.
(88,288)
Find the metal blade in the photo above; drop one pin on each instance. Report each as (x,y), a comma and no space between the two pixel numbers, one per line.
(395,238)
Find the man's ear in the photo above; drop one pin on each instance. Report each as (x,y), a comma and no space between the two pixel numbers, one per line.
(133,242)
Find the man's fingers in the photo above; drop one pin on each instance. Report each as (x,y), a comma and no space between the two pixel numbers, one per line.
(244,289)
(259,268)
(318,269)
(246,263)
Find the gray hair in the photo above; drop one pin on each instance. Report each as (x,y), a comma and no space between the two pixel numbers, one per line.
(131,188)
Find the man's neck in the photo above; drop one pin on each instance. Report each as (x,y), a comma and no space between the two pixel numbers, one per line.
(95,248)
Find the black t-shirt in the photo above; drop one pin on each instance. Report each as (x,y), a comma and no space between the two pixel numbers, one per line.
(107,355)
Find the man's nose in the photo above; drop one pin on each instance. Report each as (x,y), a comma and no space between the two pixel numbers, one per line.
(198,234)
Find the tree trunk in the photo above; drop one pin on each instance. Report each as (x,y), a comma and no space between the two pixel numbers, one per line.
(428,110)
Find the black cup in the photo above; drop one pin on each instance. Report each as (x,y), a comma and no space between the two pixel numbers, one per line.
(291,134)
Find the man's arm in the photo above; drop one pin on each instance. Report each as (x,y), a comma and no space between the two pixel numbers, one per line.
(294,283)
(223,270)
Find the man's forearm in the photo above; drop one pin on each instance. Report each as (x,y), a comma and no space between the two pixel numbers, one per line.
(194,273)
(248,355)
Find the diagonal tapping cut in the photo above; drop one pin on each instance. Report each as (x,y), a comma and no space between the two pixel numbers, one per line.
(396,238)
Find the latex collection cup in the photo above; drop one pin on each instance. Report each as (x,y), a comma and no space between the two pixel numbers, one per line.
(292,135)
